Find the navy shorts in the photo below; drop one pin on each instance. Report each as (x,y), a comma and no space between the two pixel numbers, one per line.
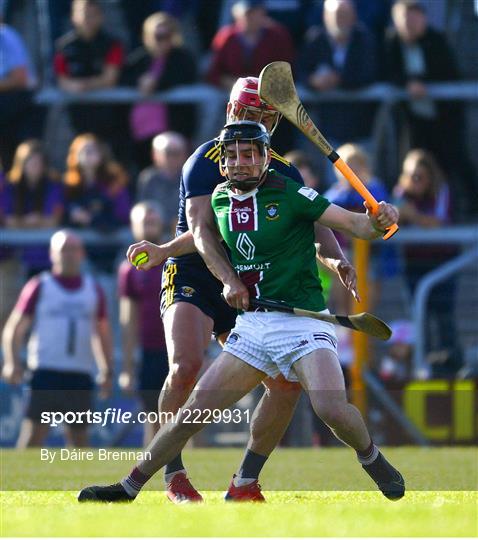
(61,391)
(194,284)
(153,371)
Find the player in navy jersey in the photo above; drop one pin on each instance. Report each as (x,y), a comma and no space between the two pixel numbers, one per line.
(192,307)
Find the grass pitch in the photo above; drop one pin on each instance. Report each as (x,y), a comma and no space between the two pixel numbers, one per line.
(426,510)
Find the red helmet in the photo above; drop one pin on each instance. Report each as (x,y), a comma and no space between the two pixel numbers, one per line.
(245,99)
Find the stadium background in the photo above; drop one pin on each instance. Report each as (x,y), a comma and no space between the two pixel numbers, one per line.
(408,402)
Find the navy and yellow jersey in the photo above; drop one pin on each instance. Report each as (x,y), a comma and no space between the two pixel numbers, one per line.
(200,176)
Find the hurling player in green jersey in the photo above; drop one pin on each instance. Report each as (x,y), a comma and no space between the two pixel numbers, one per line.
(192,307)
(267,222)
(248,209)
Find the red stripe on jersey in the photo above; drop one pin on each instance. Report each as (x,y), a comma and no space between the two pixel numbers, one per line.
(251,280)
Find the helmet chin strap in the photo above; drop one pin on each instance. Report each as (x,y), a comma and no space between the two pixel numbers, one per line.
(248,184)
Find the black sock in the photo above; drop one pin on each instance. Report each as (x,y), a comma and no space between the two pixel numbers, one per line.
(175,465)
(251,465)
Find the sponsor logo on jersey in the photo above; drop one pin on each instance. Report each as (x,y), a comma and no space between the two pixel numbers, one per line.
(308,192)
(243,209)
(245,246)
(249,267)
(187,292)
(272,210)
(232,338)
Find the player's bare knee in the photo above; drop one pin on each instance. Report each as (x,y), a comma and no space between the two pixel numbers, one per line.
(283,392)
(333,413)
(184,372)
(281,384)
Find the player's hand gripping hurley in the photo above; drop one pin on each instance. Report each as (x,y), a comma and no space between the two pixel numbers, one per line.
(362,322)
(276,87)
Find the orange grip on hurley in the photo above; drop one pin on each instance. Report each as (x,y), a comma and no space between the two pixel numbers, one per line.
(358,185)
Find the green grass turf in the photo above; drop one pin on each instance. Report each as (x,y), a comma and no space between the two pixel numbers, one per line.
(37,510)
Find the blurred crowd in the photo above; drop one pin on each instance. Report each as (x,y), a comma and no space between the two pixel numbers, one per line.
(157,45)
(124,162)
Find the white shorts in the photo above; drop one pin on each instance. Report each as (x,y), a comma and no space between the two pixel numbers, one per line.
(272,341)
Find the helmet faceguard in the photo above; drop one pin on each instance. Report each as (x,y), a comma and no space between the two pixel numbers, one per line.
(233,141)
(245,104)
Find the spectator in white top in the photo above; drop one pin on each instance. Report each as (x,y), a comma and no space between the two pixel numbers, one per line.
(64,313)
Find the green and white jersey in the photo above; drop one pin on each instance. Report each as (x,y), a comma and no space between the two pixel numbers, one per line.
(270,233)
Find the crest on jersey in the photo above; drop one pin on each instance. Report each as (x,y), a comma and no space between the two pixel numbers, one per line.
(272,210)
(187,292)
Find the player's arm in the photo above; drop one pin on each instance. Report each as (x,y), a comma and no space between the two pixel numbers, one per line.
(14,334)
(128,316)
(102,344)
(201,222)
(103,350)
(103,347)
(365,226)
(158,253)
(330,254)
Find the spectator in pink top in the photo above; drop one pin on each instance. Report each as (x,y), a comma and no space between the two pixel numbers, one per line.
(140,318)
(63,312)
(161,64)
(245,47)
